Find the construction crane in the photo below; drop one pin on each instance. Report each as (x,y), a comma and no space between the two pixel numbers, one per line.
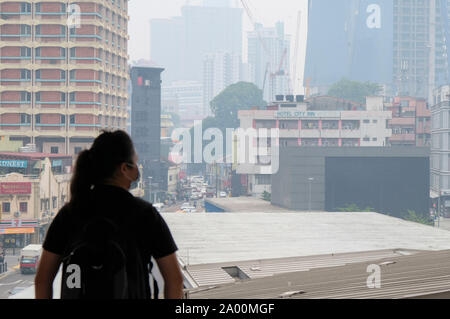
(297,41)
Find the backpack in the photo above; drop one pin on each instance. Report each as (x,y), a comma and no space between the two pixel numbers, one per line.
(102,264)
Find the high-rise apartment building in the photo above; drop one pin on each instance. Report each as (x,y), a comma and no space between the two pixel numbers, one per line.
(219,71)
(63,71)
(186,97)
(269,60)
(440,149)
(180,44)
(397,43)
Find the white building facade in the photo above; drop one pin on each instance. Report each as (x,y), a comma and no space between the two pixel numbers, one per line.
(220,70)
(188,97)
(299,127)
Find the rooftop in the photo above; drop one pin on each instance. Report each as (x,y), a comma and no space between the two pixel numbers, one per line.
(206,238)
(419,275)
(245,204)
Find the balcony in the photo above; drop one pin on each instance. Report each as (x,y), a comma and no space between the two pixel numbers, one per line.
(310,133)
(330,133)
(409,138)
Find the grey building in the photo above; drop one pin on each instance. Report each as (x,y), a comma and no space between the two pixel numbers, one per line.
(401,44)
(146,120)
(388,180)
(440,149)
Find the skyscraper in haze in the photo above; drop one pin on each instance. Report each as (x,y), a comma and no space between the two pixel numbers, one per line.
(401,44)
(181,43)
(268,57)
(220,70)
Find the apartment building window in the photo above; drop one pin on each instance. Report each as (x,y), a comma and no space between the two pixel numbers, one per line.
(23,207)
(38,119)
(25,8)
(55,201)
(77,151)
(25,74)
(25,96)
(25,118)
(263,179)
(63,119)
(54,150)
(6,208)
(72,119)
(72,96)
(73,52)
(25,52)
(25,29)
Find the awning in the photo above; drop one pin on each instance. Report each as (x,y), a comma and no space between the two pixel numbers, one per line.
(6,231)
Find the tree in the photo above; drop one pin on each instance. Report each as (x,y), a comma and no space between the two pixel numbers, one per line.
(412,216)
(225,107)
(354,91)
(236,97)
(353,208)
(267,196)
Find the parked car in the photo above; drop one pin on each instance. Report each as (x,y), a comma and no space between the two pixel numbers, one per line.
(223,194)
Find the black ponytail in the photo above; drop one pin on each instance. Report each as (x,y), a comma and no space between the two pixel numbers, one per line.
(99,164)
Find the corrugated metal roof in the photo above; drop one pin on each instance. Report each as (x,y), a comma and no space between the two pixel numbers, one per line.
(419,274)
(214,274)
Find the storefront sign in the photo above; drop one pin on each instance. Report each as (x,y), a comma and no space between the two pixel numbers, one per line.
(14,164)
(15,188)
(19,223)
(300,114)
(7,231)
(57,163)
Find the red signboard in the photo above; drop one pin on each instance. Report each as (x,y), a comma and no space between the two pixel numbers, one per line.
(15,188)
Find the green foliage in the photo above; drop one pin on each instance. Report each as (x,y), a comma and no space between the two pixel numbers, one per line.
(267,196)
(353,208)
(225,107)
(236,97)
(412,216)
(354,91)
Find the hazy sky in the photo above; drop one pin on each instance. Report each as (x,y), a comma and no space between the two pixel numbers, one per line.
(266,12)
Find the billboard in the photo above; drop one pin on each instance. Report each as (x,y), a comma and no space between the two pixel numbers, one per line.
(15,188)
(350,38)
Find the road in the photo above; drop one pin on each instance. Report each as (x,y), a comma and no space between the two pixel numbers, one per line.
(13,280)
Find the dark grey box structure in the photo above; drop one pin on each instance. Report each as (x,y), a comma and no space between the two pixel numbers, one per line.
(390,180)
(146,120)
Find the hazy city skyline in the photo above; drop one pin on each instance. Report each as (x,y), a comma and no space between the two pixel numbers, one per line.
(263,11)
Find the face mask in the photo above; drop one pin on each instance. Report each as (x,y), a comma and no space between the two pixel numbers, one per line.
(134,183)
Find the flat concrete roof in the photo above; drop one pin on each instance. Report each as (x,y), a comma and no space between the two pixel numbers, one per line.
(245,204)
(205,238)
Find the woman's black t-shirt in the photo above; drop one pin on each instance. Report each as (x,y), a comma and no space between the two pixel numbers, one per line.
(143,221)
